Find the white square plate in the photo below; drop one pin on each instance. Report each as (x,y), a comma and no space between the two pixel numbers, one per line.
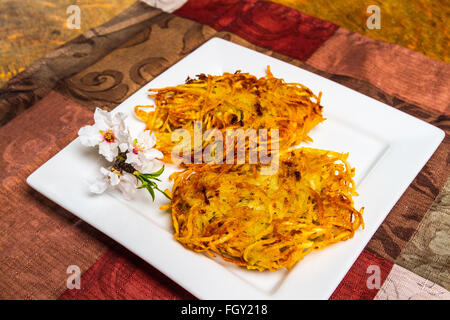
(387,147)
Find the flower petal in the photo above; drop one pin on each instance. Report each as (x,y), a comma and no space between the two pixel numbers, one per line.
(123,147)
(127,186)
(120,129)
(98,187)
(102,119)
(153,138)
(108,150)
(105,172)
(133,159)
(147,166)
(114,179)
(101,184)
(118,119)
(149,139)
(90,136)
(153,154)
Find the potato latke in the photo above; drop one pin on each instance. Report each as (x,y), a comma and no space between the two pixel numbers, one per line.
(238,100)
(266,222)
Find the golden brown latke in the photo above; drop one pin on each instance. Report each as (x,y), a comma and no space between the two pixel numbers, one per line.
(266,222)
(238,100)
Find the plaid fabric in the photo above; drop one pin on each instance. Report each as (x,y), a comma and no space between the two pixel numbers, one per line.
(42,108)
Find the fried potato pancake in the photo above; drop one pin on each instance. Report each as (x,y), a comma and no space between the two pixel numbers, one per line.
(233,101)
(266,222)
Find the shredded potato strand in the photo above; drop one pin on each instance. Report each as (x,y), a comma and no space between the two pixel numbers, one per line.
(266,222)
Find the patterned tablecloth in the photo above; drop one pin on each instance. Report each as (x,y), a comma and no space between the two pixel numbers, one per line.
(42,108)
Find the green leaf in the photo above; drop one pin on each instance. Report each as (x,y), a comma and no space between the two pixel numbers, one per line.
(165,194)
(147,183)
(157,173)
(152,193)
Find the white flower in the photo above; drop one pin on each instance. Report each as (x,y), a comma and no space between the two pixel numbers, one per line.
(125,182)
(109,132)
(127,185)
(166,5)
(141,153)
(131,157)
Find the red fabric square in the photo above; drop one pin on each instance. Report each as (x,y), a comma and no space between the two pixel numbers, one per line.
(354,285)
(266,24)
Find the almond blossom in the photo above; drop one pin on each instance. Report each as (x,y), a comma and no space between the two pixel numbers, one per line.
(108,132)
(141,152)
(125,182)
(130,157)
